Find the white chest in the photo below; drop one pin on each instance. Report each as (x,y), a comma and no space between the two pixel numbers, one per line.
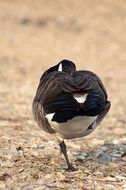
(74,128)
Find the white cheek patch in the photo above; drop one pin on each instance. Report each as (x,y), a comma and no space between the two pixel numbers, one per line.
(60,67)
(80,97)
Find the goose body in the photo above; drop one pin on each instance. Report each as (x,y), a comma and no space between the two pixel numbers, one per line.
(69,103)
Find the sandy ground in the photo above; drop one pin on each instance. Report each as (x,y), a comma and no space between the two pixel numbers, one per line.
(33,36)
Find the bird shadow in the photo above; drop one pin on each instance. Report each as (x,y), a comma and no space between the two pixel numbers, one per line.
(102,154)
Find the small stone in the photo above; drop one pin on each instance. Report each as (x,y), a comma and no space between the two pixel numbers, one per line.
(25,21)
(124,156)
(110,187)
(103,157)
(113,165)
(83,188)
(4,177)
(80,156)
(120,177)
(110,179)
(124,186)
(60,176)
(115,141)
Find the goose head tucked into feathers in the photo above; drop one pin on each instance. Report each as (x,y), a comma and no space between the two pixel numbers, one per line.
(64,66)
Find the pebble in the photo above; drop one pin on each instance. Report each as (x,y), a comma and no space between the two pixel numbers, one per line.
(110,178)
(103,157)
(60,176)
(80,155)
(120,177)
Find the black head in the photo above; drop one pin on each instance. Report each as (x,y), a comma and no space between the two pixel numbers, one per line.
(63,66)
(66,66)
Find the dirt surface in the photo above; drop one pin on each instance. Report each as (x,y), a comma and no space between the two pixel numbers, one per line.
(33,36)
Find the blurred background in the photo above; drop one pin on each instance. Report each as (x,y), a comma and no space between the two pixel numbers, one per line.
(34,35)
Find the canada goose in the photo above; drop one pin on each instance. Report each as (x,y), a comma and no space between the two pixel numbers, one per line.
(69,103)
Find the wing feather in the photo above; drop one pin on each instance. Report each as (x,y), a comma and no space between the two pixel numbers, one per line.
(55,95)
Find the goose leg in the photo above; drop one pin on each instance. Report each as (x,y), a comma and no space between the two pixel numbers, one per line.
(64,151)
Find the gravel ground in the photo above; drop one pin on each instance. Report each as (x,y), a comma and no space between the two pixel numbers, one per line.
(33,36)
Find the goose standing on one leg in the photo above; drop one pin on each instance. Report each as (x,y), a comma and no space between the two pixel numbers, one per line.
(69,103)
